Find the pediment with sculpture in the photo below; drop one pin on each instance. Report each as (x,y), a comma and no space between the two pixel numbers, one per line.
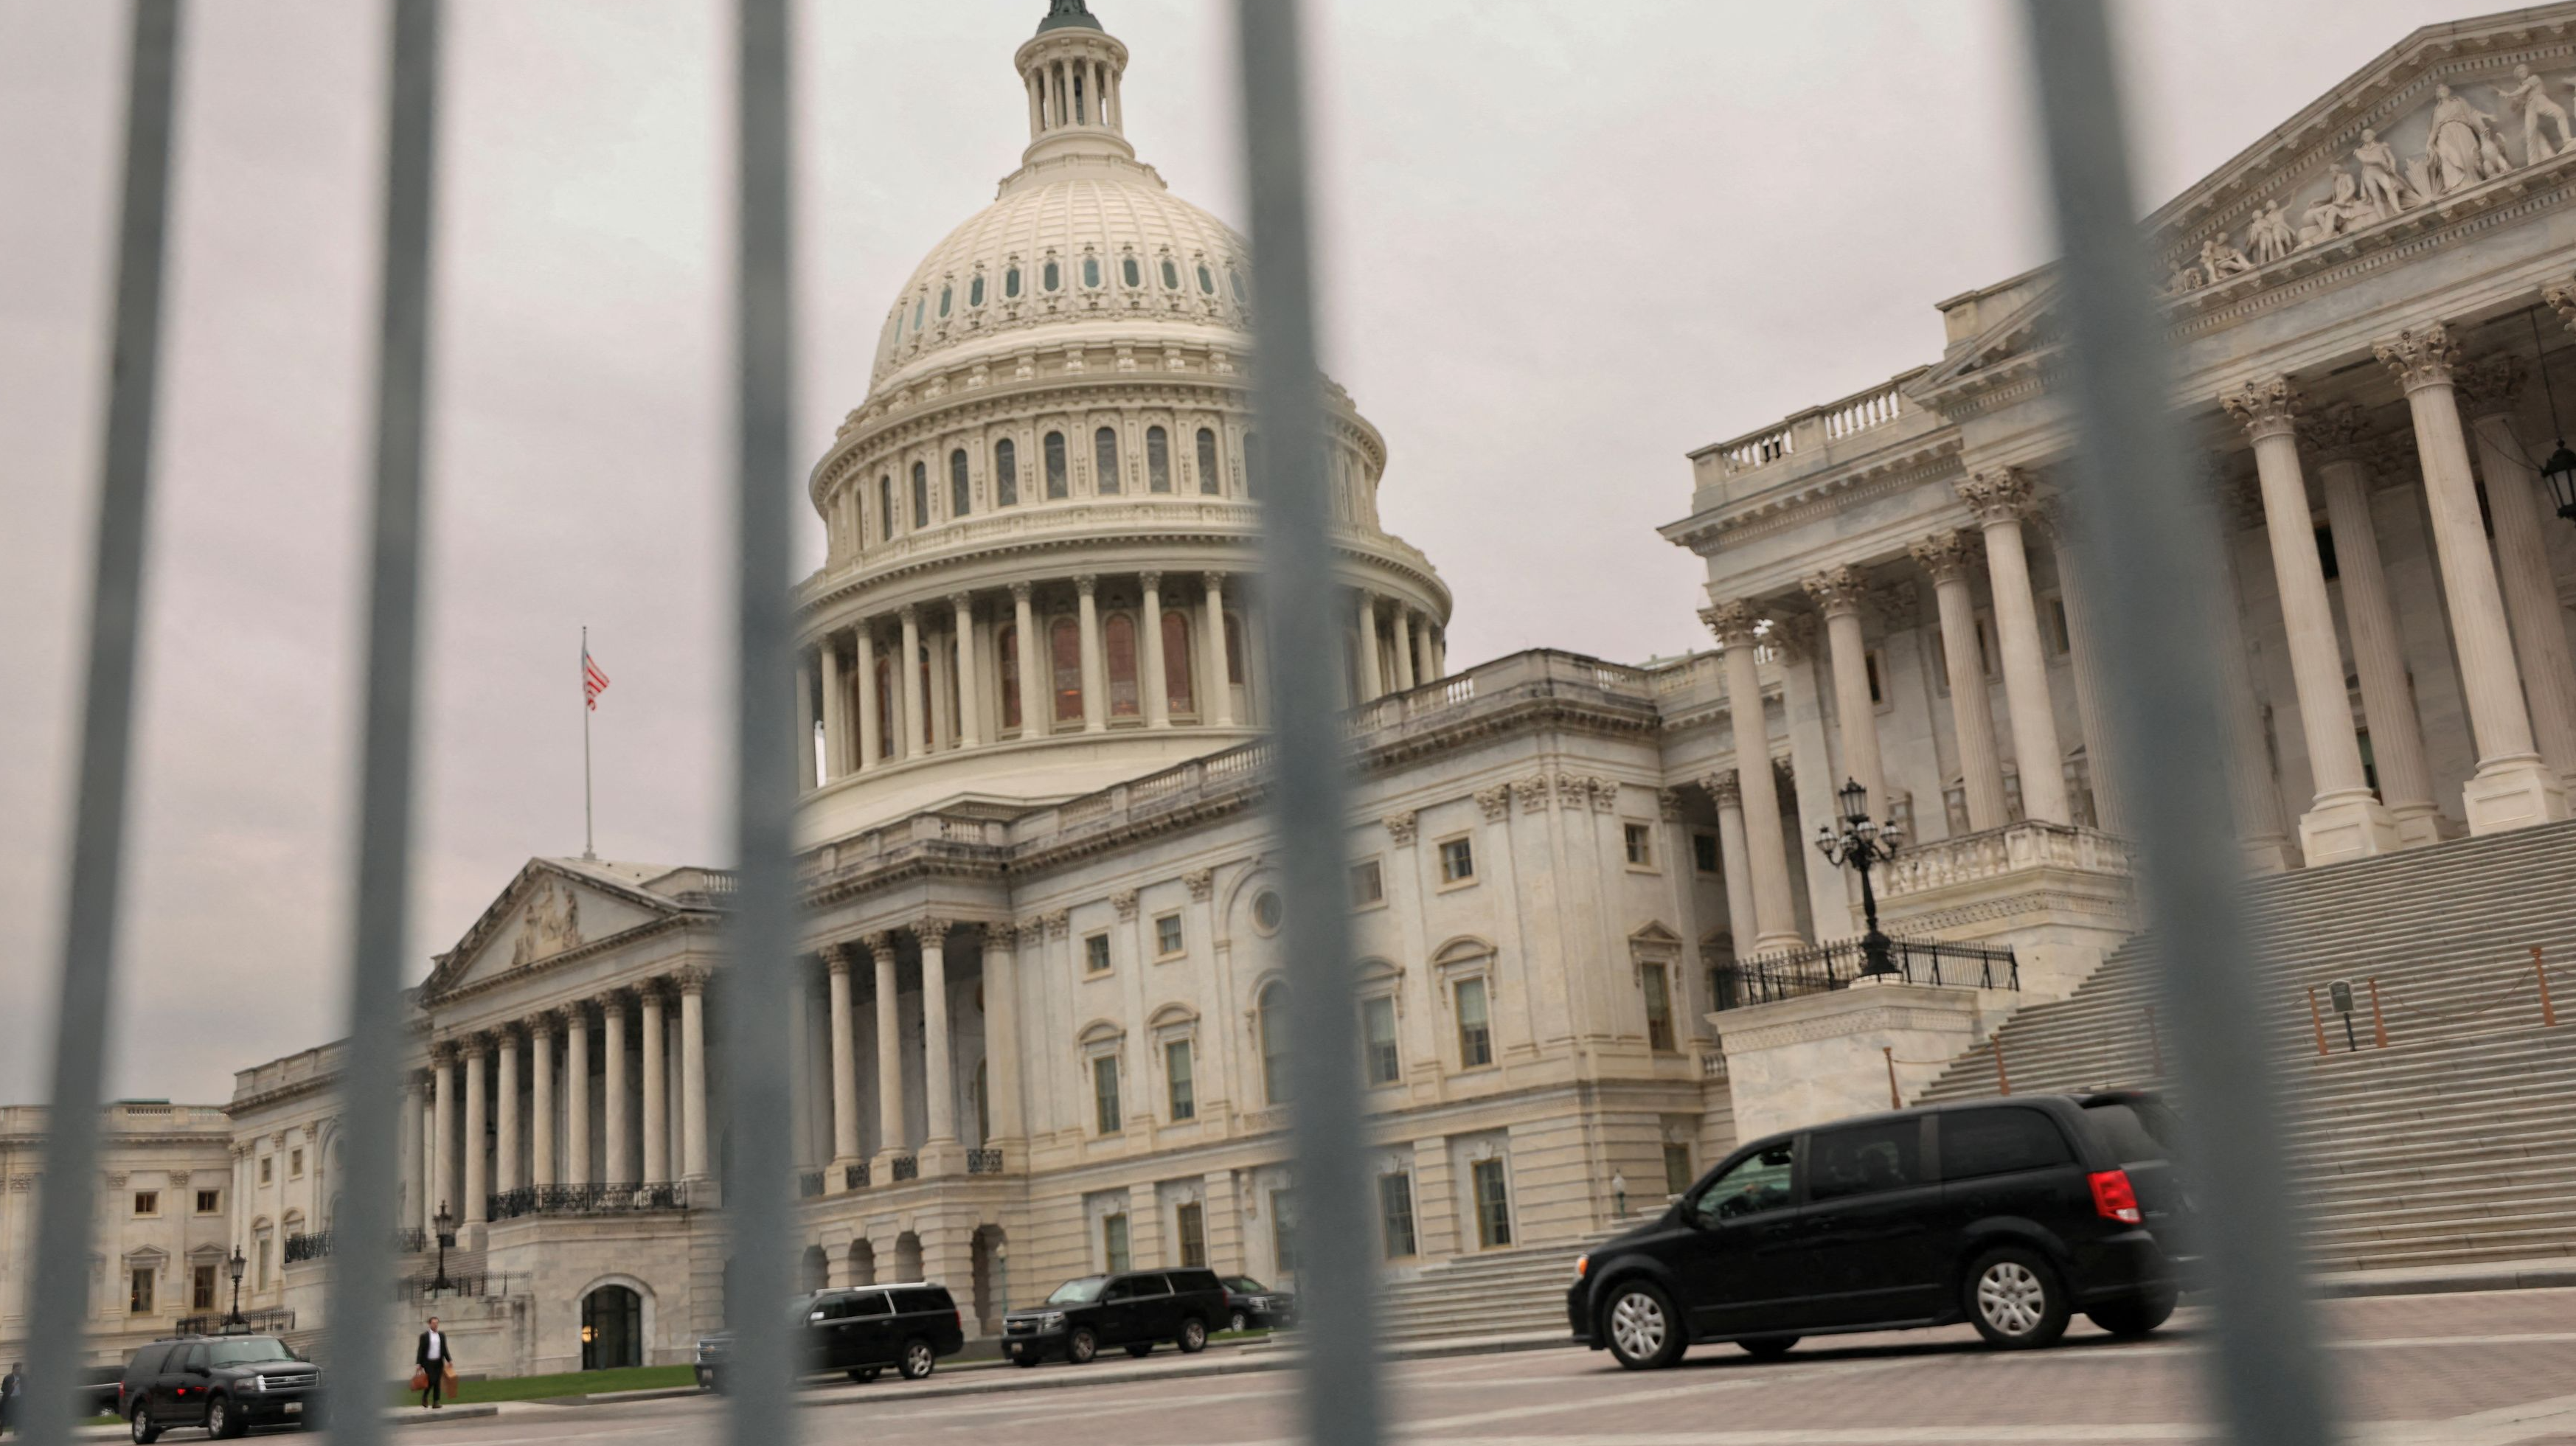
(547,912)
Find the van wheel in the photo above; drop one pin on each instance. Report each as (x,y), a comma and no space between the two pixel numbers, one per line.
(1644,1331)
(1140,1349)
(864,1374)
(1767,1348)
(1193,1336)
(145,1433)
(2134,1317)
(918,1359)
(1082,1346)
(2014,1299)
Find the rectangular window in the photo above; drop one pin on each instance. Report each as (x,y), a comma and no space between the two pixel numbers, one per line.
(262,1277)
(1095,954)
(138,1300)
(1055,480)
(2060,638)
(1368,885)
(1104,1094)
(1493,1206)
(1704,852)
(1641,845)
(295,1164)
(1006,474)
(1659,1008)
(1189,1225)
(1395,1215)
(1113,1241)
(1158,460)
(1167,936)
(201,1288)
(210,1202)
(1104,462)
(1176,1076)
(1677,1169)
(1283,1230)
(147,1202)
(1209,482)
(267,1168)
(1377,1031)
(1877,689)
(1475,1033)
(1457,861)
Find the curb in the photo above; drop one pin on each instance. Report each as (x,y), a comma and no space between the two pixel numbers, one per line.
(398,1416)
(2358,1285)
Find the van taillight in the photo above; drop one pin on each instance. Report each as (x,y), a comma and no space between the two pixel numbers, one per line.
(2114,1198)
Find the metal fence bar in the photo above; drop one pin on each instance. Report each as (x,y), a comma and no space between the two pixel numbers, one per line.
(370,1083)
(762,925)
(1339,1387)
(60,1303)
(2139,526)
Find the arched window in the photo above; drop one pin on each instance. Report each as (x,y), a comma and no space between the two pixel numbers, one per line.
(1064,649)
(1251,447)
(1234,648)
(961,499)
(1176,662)
(885,508)
(612,1329)
(1274,1032)
(1006,648)
(944,293)
(920,311)
(1052,276)
(1131,273)
(1234,278)
(887,743)
(975,290)
(1011,284)
(920,494)
(1118,645)
(1158,460)
(1209,480)
(1171,275)
(1055,481)
(1091,272)
(1006,474)
(1104,461)
(1207,283)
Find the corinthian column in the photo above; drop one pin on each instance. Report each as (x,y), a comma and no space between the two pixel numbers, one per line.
(1034,657)
(836,723)
(2091,713)
(541,1100)
(1369,686)
(1839,593)
(890,1140)
(970,722)
(693,1074)
(1095,677)
(657,1099)
(908,686)
(1948,556)
(2512,787)
(620,1125)
(442,1129)
(2340,436)
(871,740)
(2256,793)
(1219,709)
(2488,391)
(806,777)
(2345,820)
(938,1081)
(505,1159)
(1733,859)
(1999,498)
(1002,1028)
(1775,916)
(845,1064)
(576,1067)
(477,1092)
(1158,698)
(1405,679)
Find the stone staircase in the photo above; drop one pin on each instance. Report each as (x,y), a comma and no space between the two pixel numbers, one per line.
(1493,1292)
(2452,1145)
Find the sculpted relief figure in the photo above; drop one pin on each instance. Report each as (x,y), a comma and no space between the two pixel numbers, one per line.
(2270,235)
(2185,277)
(2379,184)
(2340,210)
(2453,152)
(2531,94)
(2221,260)
(549,925)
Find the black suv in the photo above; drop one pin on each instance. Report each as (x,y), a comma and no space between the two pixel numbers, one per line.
(2009,1214)
(226,1384)
(1137,1309)
(1250,1305)
(860,1331)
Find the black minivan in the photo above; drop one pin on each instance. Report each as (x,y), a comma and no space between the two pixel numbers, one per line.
(2010,1214)
(1136,1309)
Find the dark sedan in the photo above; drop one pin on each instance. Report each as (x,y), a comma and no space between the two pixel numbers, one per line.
(1254,1306)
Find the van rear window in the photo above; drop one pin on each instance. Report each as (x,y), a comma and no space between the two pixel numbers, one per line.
(2138,1131)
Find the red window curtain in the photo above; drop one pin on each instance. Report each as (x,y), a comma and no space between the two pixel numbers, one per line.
(1176,662)
(1006,647)
(1118,643)
(1064,643)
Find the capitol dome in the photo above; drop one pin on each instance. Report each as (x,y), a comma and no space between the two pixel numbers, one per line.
(1047,504)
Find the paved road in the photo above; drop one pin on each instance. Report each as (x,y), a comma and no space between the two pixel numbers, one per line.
(2455,1370)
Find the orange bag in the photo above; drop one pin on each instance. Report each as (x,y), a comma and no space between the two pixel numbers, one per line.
(419,1380)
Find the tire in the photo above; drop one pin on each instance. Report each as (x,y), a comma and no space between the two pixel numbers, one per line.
(145,1433)
(1140,1349)
(1025,1362)
(2015,1299)
(919,1360)
(1766,1348)
(224,1419)
(1643,1330)
(2135,1317)
(1193,1336)
(864,1374)
(1240,1323)
(1082,1347)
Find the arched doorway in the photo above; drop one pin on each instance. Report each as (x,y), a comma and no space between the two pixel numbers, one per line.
(863,1263)
(811,1271)
(612,1329)
(907,1257)
(992,1286)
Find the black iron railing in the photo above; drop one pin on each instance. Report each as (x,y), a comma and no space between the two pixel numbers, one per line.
(271,1321)
(1826,967)
(983,1162)
(586,1200)
(855,1177)
(907,1167)
(425,1286)
(314,1246)
(411,1242)
(809,1184)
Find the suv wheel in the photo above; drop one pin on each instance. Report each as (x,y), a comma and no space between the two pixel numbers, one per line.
(1081,1346)
(1193,1336)
(2015,1300)
(1240,1323)
(2136,1316)
(918,1359)
(224,1419)
(1767,1348)
(1644,1331)
(145,1433)
(864,1374)
(1140,1349)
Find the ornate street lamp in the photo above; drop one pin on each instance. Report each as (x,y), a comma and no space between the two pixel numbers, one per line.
(2560,470)
(1862,843)
(236,1263)
(446,1224)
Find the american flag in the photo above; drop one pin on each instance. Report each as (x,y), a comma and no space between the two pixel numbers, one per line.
(593,681)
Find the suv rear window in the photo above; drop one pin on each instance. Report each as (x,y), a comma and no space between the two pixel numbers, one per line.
(2138,1131)
(147,1361)
(914,1302)
(1999,1142)
(1194,1280)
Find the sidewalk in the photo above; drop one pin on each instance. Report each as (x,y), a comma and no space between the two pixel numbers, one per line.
(397,1416)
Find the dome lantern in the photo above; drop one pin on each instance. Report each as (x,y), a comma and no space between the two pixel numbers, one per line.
(1071,70)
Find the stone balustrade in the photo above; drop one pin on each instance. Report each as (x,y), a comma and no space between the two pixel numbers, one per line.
(1973,858)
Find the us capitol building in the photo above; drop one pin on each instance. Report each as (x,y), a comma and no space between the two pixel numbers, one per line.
(1037,1033)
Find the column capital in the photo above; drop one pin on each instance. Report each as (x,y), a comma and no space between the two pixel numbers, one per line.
(2420,356)
(1947,556)
(691,979)
(544,1025)
(1668,804)
(2560,297)
(932,930)
(1736,622)
(2340,433)
(1212,581)
(442,1053)
(880,945)
(837,960)
(909,615)
(1725,788)
(1839,591)
(962,601)
(1124,901)
(1032,930)
(1496,802)
(1997,494)
(2490,385)
(1020,592)
(1202,884)
(1795,637)
(1150,581)
(1401,827)
(2265,406)
(1059,923)
(1086,584)
(475,1046)
(615,1001)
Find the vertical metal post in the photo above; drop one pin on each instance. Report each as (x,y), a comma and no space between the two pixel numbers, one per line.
(762,927)
(370,1084)
(1339,1388)
(2140,529)
(2540,971)
(60,1289)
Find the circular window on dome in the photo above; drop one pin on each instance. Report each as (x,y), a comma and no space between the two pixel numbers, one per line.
(1011,284)
(1131,273)
(975,290)
(1051,278)
(944,293)
(1171,275)
(1091,271)
(1267,911)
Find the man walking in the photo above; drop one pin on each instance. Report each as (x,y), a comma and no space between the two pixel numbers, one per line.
(12,1386)
(436,1364)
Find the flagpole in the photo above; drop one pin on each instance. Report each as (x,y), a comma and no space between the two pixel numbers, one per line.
(588,847)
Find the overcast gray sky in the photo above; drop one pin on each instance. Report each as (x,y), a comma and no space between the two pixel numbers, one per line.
(1565,243)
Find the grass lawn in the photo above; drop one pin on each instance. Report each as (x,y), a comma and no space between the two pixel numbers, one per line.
(569,1383)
